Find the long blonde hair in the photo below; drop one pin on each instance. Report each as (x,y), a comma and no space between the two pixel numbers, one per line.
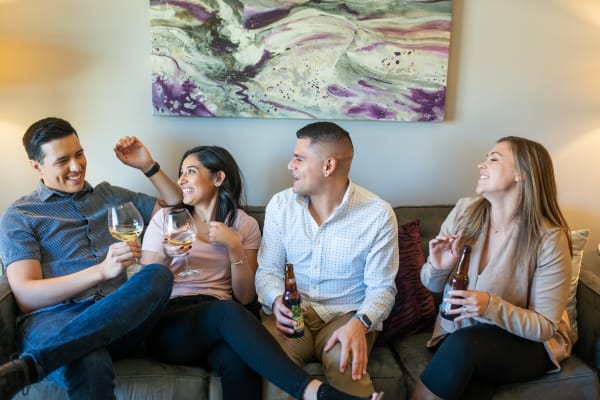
(538,200)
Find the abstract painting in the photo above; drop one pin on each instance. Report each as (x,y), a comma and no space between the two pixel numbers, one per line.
(320,59)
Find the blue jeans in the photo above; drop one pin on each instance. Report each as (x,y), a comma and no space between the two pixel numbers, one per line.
(75,342)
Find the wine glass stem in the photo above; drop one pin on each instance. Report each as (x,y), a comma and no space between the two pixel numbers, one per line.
(133,268)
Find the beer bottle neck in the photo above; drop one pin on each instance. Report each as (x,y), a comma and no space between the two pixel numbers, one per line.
(290,284)
(463,263)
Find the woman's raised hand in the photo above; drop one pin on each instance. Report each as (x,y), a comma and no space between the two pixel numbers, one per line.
(132,152)
(220,233)
(443,251)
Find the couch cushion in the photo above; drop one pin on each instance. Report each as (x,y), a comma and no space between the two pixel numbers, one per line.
(414,308)
(579,238)
(588,304)
(430,219)
(576,380)
(413,356)
(140,378)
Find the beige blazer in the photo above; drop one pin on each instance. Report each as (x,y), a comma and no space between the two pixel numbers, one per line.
(528,301)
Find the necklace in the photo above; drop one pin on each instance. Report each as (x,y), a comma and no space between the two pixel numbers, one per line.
(501,230)
(202,219)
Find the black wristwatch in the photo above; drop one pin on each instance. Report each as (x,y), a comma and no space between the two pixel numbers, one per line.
(364,320)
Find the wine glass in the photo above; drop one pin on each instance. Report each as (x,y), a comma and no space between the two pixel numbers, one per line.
(180,230)
(125,223)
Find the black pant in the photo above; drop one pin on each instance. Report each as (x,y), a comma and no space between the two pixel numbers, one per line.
(471,361)
(231,341)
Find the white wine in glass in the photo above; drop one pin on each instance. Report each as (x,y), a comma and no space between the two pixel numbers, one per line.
(126,233)
(180,230)
(181,239)
(125,223)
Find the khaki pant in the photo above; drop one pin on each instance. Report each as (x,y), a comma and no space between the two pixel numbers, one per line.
(310,348)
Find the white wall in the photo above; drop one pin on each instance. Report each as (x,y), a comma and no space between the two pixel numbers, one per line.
(527,68)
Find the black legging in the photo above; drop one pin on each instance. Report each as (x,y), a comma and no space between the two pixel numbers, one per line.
(472,360)
(231,341)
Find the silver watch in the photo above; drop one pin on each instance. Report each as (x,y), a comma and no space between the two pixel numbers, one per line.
(364,320)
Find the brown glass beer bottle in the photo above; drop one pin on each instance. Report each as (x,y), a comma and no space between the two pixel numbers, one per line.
(459,280)
(293,300)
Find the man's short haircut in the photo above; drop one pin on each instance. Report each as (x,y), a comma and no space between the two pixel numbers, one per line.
(44,131)
(326,132)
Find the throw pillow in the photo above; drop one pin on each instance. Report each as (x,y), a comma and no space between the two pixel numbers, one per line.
(414,308)
(579,238)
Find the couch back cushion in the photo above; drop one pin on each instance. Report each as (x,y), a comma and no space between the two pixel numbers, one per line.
(579,238)
(258,213)
(430,220)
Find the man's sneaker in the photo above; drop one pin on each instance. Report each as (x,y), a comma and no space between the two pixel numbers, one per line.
(16,375)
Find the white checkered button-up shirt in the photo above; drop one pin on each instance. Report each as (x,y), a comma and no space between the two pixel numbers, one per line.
(347,264)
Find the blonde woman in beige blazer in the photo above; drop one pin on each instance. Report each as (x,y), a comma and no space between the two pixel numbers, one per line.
(511,324)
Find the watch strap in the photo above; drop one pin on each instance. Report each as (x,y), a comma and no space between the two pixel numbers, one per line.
(364,319)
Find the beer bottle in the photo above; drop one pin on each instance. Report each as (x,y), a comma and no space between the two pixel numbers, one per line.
(459,280)
(293,300)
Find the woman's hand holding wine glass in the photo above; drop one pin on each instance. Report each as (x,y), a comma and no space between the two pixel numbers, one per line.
(126,224)
(180,233)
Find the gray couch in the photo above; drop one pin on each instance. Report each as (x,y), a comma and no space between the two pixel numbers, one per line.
(394,368)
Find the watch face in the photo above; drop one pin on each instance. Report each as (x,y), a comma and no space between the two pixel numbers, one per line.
(365,320)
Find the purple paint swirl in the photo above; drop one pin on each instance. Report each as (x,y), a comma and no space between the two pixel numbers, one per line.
(372,111)
(196,11)
(177,99)
(430,104)
(257,20)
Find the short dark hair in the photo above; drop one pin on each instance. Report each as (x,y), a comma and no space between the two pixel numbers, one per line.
(324,132)
(44,131)
(230,197)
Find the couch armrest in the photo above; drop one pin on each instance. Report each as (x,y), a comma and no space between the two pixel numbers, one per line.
(8,314)
(588,318)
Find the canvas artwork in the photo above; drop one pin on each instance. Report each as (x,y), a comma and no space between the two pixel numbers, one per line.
(356,60)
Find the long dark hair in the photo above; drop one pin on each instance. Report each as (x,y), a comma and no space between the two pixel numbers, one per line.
(230,193)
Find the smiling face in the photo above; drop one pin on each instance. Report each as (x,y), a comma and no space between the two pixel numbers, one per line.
(307,166)
(497,174)
(198,183)
(63,164)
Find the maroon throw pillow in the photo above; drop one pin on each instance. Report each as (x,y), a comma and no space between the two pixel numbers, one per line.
(414,308)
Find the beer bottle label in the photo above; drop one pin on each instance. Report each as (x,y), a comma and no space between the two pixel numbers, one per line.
(298,317)
(446,307)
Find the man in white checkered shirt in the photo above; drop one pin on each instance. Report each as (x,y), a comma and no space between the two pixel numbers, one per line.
(343,243)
